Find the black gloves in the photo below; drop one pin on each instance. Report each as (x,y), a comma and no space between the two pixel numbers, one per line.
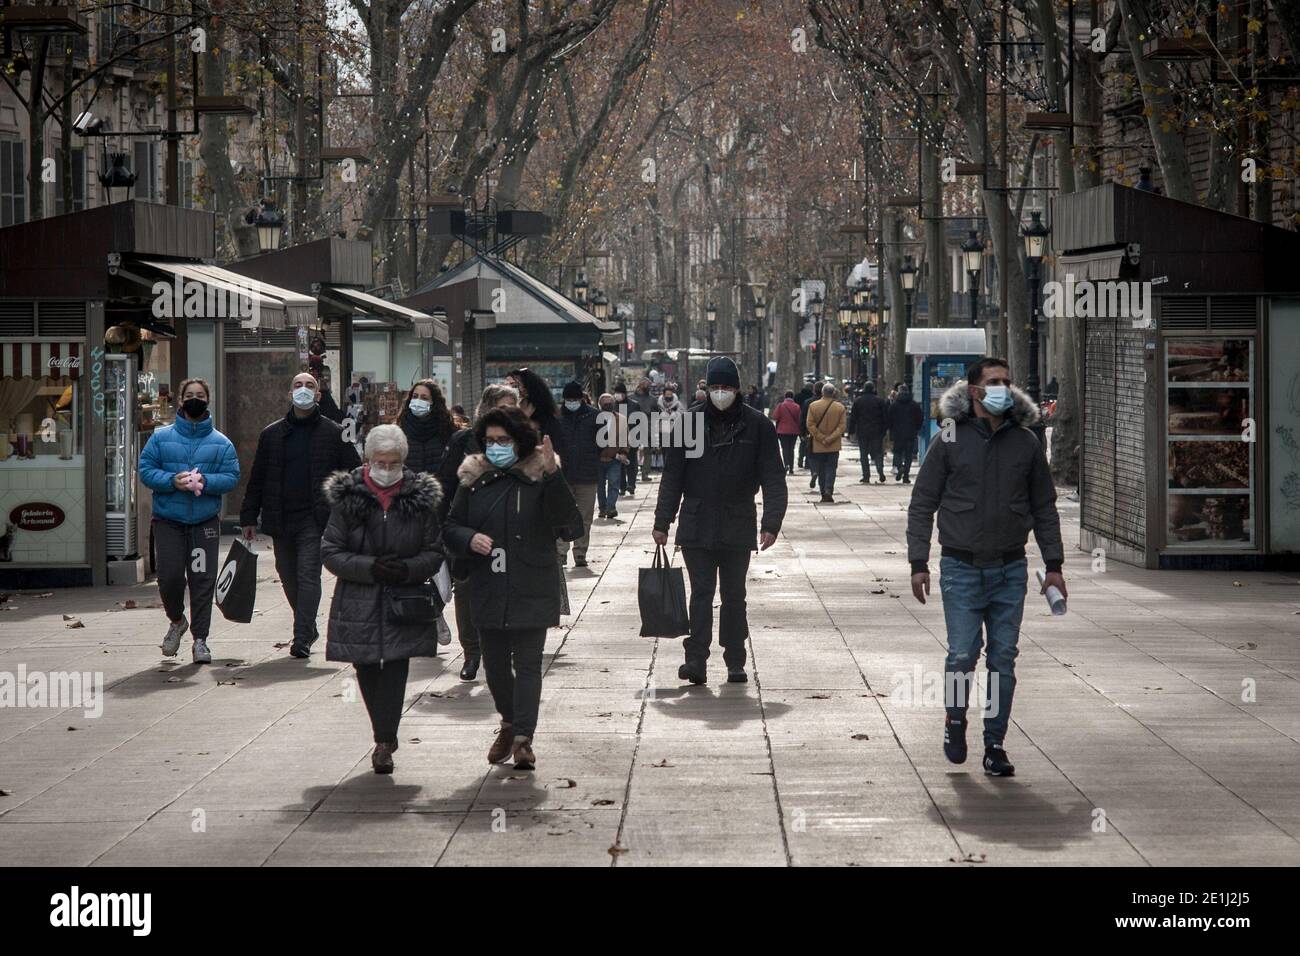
(389,570)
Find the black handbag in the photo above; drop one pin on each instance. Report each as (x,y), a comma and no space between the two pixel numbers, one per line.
(412,603)
(661,594)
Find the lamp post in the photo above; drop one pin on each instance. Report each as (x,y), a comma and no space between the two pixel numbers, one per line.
(907,277)
(1035,235)
(816,304)
(580,288)
(972,251)
(711,315)
(881,324)
(760,313)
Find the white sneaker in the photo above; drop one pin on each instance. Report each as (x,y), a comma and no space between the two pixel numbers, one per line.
(172,641)
(201,653)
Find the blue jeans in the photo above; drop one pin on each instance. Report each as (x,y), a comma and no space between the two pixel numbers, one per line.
(607,481)
(827,464)
(992,600)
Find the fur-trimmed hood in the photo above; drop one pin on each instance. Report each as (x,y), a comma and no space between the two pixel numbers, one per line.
(420,493)
(955,404)
(475,467)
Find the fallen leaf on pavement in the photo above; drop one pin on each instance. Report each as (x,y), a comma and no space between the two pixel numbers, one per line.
(617,850)
(281,645)
(662,763)
(69,617)
(968,858)
(818,697)
(859,737)
(72,728)
(602,803)
(566,784)
(10,793)
(74,623)
(1248,646)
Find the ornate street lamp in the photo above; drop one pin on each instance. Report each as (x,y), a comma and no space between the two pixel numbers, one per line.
(972,251)
(600,306)
(117,176)
(1035,235)
(269,223)
(711,316)
(580,288)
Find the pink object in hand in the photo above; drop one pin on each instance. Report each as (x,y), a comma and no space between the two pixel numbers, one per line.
(195,482)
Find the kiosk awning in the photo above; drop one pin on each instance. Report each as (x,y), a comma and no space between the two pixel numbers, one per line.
(426,326)
(945,341)
(228,295)
(1090,266)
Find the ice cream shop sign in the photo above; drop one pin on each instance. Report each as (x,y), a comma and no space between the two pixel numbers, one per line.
(36,516)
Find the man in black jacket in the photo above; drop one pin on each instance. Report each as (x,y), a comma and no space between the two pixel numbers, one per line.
(295,455)
(719,522)
(867,422)
(579,424)
(905,419)
(987,476)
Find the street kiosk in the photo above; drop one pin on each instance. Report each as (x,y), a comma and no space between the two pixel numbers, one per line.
(940,358)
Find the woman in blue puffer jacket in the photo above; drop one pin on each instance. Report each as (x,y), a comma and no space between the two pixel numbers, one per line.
(188,465)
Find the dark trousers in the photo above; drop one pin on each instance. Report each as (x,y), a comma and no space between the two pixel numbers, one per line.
(383,688)
(187,552)
(710,570)
(803,450)
(904,450)
(297,561)
(466,632)
(513,662)
(872,450)
(827,463)
(627,477)
(787,451)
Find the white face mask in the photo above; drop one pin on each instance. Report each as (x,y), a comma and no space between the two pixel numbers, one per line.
(572,406)
(722,398)
(419,407)
(385,476)
(304,397)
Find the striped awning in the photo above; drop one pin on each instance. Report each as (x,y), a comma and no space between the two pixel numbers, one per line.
(41,359)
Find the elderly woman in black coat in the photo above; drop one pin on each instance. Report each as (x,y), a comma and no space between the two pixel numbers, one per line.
(383,532)
(511,505)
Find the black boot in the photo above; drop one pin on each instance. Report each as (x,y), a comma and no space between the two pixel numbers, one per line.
(693,672)
(470,670)
(954,740)
(997,763)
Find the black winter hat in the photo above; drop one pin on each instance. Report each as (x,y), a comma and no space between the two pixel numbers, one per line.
(722,371)
(572,390)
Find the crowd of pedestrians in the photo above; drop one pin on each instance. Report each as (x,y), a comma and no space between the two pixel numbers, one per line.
(482,511)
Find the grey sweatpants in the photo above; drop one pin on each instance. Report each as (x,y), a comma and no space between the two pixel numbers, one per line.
(585,494)
(187,551)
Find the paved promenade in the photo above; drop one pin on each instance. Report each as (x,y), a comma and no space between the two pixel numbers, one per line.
(1132,741)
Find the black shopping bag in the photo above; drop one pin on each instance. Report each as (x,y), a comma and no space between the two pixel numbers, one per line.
(661,593)
(237,583)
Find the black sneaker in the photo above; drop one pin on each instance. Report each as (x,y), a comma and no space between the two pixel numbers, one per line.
(954,740)
(864,481)
(996,763)
(907,481)
(695,673)
(300,651)
(737,675)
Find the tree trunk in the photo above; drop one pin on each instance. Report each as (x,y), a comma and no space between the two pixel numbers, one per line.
(36,133)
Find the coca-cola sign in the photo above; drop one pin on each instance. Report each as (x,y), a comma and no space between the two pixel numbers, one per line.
(37,516)
(66,361)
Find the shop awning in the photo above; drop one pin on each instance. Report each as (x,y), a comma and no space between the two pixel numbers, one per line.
(1090,266)
(229,295)
(40,359)
(426,326)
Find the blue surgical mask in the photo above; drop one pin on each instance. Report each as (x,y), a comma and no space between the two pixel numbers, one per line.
(503,456)
(304,397)
(572,405)
(419,407)
(997,399)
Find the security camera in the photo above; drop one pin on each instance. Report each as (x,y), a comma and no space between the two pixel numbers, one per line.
(88,124)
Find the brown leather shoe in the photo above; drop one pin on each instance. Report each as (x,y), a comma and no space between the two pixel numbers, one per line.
(523,753)
(500,748)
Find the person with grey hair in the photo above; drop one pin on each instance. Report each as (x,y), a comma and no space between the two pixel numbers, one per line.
(463,444)
(826,421)
(370,554)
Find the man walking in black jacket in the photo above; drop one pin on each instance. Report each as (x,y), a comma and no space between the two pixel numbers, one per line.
(905,419)
(579,425)
(868,421)
(295,455)
(719,522)
(990,483)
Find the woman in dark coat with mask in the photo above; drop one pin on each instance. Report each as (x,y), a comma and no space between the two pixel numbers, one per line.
(383,531)
(511,505)
(427,424)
